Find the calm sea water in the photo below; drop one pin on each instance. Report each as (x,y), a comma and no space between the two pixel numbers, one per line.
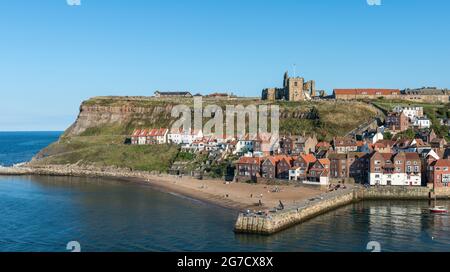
(18,147)
(45,213)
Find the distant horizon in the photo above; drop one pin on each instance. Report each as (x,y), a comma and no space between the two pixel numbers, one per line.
(55,55)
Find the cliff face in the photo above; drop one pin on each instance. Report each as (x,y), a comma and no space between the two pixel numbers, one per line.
(93,117)
(119,116)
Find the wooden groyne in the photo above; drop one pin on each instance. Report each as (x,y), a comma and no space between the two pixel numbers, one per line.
(273,222)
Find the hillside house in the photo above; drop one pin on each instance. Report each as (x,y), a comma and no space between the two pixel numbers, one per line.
(397,122)
(344,145)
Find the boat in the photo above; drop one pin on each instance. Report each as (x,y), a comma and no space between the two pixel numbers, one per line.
(438,209)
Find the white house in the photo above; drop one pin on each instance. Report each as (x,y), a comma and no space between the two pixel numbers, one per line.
(142,140)
(296,172)
(422,122)
(375,137)
(243,144)
(161,136)
(411,112)
(184,137)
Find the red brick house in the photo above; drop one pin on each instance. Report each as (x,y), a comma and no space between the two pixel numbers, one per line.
(276,167)
(353,164)
(439,173)
(269,168)
(397,122)
(286,145)
(283,166)
(248,168)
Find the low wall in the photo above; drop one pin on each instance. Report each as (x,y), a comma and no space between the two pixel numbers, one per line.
(393,193)
(443,192)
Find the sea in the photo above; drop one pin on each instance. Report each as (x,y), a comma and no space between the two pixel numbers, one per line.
(51,214)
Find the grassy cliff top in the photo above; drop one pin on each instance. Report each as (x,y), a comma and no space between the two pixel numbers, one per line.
(100,142)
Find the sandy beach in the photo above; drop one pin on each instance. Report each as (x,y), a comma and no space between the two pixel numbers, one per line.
(240,196)
(237,196)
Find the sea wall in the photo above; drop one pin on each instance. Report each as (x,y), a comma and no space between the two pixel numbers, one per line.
(275,222)
(393,193)
(443,192)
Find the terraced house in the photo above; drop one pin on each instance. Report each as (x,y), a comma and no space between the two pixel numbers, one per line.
(248,168)
(400,169)
(149,136)
(351,165)
(439,173)
(319,173)
(301,166)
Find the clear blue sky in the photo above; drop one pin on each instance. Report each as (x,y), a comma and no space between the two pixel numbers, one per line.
(53,56)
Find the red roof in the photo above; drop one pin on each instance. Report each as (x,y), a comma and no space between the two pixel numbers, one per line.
(324,161)
(308,158)
(136,133)
(249,160)
(442,163)
(143,132)
(323,144)
(153,132)
(366,91)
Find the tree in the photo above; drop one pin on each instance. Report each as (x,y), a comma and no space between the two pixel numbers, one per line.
(387,135)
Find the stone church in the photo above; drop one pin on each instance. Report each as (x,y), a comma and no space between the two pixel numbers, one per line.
(294,89)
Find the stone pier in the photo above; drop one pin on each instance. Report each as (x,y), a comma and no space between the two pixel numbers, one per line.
(277,221)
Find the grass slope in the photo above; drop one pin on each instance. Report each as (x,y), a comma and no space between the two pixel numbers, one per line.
(104,145)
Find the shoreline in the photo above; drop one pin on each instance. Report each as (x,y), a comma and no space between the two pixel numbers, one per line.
(234,196)
(301,203)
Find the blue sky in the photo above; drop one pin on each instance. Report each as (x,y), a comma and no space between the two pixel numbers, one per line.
(53,56)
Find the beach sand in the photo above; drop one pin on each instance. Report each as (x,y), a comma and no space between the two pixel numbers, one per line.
(238,196)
